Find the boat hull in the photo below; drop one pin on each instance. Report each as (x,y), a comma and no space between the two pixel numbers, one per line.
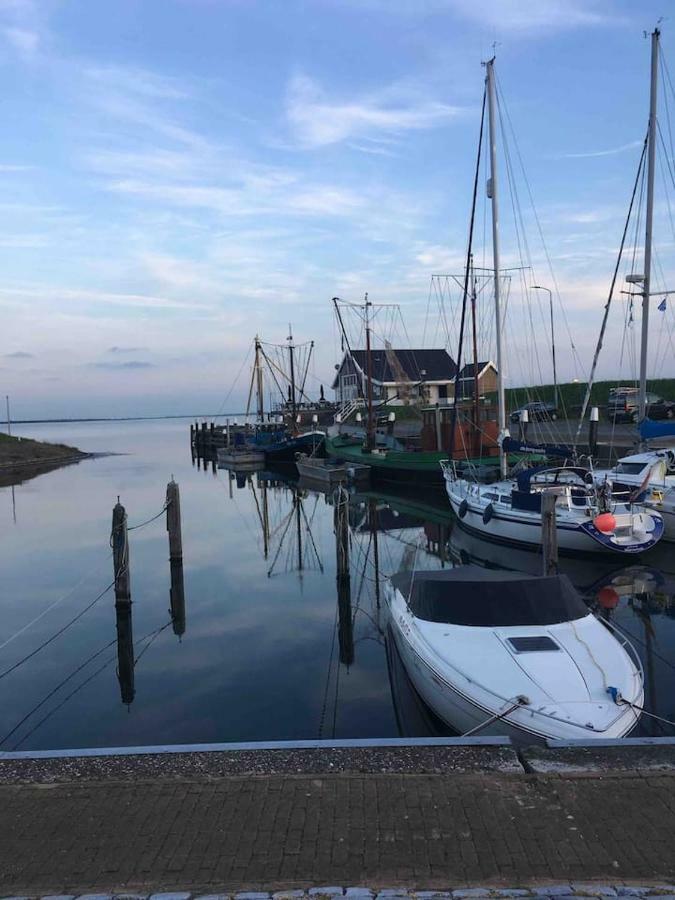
(285,451)
(452,701)
(522,529)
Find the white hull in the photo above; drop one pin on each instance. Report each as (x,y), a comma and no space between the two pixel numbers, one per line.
(465,702)
(522,528)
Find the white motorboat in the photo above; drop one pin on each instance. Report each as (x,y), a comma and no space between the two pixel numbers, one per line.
(649,477)
(509,511)
(521,655)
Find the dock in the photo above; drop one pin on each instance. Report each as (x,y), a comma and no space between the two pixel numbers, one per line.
(417,815)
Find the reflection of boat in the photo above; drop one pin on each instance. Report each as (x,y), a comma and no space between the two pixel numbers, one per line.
(240,459)
(328,473)
(583,572)
(483,647)
(413,716)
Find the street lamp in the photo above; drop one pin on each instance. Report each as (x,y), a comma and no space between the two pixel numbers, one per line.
(538,287)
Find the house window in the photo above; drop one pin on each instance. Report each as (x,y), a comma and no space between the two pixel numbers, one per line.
(348,380)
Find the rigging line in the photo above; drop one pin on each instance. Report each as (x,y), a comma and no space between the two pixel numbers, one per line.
(57,633)
(426,315)
(608,304)
(539,226)
(311,536)
(52,605)
(330,666)
(467,273)
(234,383)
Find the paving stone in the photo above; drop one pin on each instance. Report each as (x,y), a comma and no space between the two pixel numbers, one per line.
(180,896)
(326,891)
(359,892)
(285,895)
(627,890)
(556,890)
(251,895)
(471,892)
(514,892)
(58,897)
(95,897)
(222,896)
(593,890)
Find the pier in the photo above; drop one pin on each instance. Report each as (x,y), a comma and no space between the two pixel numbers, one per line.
(425,815)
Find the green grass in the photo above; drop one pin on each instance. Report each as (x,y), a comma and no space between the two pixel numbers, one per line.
(571,394)
(18,451)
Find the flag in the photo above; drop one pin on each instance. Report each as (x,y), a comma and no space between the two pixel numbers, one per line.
(662,305)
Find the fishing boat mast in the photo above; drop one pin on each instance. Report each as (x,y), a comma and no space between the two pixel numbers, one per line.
(649,216)
(492,194)
(291,348)
(259,380)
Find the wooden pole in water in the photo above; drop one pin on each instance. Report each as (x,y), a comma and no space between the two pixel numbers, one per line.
(173,525)
(125,652)
(120,548)
(549,533)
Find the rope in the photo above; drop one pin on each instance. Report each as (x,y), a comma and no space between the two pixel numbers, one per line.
(519,701)
(51,606)
(57,633)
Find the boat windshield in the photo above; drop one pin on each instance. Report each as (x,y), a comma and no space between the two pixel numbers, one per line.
(490,600)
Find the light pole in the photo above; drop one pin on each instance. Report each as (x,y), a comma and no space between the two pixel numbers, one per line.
(538,287)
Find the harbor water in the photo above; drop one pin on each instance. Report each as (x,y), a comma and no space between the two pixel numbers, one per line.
(265,642)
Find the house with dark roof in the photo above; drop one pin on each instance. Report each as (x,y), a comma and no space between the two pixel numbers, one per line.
(399,376)
(487,379)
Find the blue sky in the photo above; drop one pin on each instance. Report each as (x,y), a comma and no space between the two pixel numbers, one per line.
(177,175)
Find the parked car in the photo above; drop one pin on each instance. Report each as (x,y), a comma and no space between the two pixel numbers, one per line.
(538,410)
(622,405)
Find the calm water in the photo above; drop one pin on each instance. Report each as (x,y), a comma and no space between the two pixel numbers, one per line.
(266,651)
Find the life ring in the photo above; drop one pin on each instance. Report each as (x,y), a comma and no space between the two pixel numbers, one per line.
(463,509)
(488,512)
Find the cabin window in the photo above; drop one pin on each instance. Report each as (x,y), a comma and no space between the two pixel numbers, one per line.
(629,468)
(532,644)
(348,380)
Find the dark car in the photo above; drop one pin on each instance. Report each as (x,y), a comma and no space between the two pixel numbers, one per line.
(538,410)
(622,405)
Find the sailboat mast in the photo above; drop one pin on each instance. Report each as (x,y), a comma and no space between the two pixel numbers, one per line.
(492,194)
(476,387)
(651,165)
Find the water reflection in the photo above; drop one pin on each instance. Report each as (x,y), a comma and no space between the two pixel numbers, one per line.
(287,635)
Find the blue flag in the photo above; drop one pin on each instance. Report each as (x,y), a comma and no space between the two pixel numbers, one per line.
(662,305)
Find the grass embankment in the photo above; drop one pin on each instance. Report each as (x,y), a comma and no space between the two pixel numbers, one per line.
(571,394)
(18,452)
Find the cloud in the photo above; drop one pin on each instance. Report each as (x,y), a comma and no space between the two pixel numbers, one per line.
(594,153)
(130,364)
(318,122)
(19,354)
(24,41)
(126,349)
(544,15)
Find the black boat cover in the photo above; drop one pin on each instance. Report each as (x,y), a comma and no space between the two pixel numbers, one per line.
(469,595)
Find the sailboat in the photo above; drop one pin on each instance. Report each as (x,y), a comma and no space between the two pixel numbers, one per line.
(589,518)
(649,475)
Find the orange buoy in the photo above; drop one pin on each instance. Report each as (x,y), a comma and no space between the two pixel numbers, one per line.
(605,522)
(608,598)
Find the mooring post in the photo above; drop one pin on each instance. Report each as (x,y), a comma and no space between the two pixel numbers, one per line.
(593,431)
(125,652)
(120,548)
(549,533)
(173,520)
(345,622)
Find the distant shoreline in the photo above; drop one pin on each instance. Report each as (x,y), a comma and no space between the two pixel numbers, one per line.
(119,419)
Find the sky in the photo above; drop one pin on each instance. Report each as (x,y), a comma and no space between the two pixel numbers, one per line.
(179,175)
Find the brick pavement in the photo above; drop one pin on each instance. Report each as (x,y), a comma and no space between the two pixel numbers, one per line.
(419,831)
